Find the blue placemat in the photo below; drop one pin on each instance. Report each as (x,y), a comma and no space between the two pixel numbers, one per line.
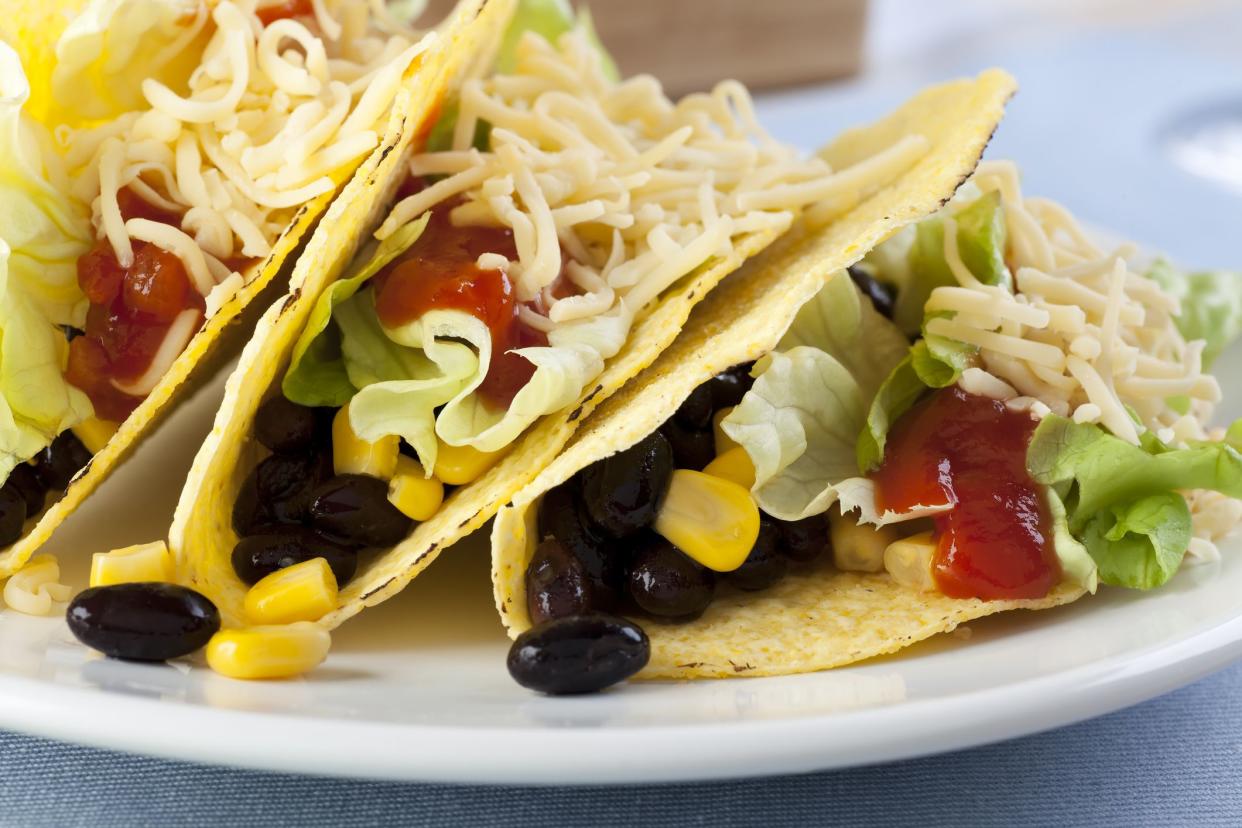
(1173,761)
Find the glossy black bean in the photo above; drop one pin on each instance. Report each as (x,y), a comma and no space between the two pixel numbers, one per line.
(285,427)
(354,508)
(692,448)
(696,412)
(622,492)
(143,622)
(664,582)
(805,540)
(250,514)
(59,462)
(603,558)
(284,483)
(728,387)
(765,565)
(556,584)
(578,654)
(24,479)
(260,555)
(12,515)
(880,294)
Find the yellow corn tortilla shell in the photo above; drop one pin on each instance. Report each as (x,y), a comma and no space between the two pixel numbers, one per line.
(423,82)
(201,536)
(202,532)
(825,618)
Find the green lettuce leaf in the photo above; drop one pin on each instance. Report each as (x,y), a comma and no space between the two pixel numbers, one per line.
(1076,561)
(42,233)
(1124,500)
(981,242)
(1211,305)
(800,420)
(317,374)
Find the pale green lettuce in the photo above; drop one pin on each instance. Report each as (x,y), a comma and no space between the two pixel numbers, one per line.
(1076,562)
(1211,305)
(800,420)
(1123,500)
(42,233)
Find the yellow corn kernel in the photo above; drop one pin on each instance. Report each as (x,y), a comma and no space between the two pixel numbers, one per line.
(303,592)
(353,455)
(417,496)
(95,433)
(723,441)
(459,465)
(858,547)
(733,465)
(909,561)
(133,564)
(268,652)
(714,521)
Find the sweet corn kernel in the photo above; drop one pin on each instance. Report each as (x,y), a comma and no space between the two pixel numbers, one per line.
(303,592)
(410,490)
(95,433)
(858,547)
(712,520)
(133,564)
(353,455)
(459,465)
(733,465)
(268,652)
(909,561)
(723,441)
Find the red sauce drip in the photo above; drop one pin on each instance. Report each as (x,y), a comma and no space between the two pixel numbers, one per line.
(439,271)
(130,312)
(996,542)
(289,8)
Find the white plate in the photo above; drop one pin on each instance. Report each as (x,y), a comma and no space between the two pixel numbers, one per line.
(417,689)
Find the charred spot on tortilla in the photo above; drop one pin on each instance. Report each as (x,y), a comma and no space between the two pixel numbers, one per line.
(291,300)
(378,589)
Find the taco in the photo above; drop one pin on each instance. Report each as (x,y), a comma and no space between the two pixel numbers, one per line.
(545,247)
(162,161)
(989,411)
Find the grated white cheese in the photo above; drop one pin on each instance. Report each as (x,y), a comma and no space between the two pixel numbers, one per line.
(639,190)
(1084,333)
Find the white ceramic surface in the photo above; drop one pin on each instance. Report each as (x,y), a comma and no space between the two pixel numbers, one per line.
(417,689)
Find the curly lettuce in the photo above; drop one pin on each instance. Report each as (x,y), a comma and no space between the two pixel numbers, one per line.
(1124,501)
(41,236)
(1211,305)
(801,419)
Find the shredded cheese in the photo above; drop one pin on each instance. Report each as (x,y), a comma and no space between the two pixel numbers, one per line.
(1083,333)
(637,189)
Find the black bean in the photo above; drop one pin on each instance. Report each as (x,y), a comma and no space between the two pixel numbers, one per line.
(728,387)
(284,426)
(578,654)
(562,516)
(804,540)
(764,565)
(250,514)
(880,294)
(622,492)
(556,584)
(696,412)
(354,508)
(58,463)
(24,479)
(260,555)
(664,582)
(692,448)
(284,483)
(12,515)
(144,621)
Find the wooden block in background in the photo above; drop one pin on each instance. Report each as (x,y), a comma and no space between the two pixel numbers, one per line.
(691,44)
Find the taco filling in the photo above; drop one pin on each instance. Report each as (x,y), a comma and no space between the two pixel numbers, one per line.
(553,208)
(156,167)
(990,409)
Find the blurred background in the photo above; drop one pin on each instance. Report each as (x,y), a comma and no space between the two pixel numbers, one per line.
(1130,111)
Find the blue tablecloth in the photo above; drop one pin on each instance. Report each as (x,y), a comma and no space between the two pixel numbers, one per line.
(1173,761)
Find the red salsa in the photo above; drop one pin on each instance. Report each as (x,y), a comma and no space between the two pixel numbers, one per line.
(970,451)
(130,312)
(440,271)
